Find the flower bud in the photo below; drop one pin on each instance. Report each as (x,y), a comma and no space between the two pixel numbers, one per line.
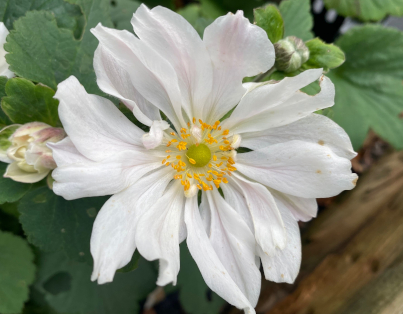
(291,53)
(29,157)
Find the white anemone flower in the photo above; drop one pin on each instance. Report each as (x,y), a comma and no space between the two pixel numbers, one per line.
(295,155)
(4,71)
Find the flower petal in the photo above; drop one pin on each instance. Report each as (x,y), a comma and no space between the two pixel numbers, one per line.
(17,174)
(237,49)
(174,39)
(284,265)
(113,234)
(114,79)
(96,127)
(77,176)
(212,269)
(268,225)
(235,245)
(272,105)
(158,232)
(314,128)
(4,71)
(150,74)
(298,168)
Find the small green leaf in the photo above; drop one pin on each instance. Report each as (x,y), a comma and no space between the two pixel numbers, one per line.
(133,264)
(54,224)
(26,102)
(4,137)
(366,10)
(11,191)
(269,18)
(121,12)
(322,55)
(368,85)
(297,18)
(17,272)
(68,289)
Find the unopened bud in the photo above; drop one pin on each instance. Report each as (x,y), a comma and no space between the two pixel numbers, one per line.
(291,53)
(29,157)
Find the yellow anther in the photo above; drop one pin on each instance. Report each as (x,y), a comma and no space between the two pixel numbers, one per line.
(164,161)
(210,165)
(169,144)
(174,140)
(194,120)
(199,186)
(167,164)
(217,122)
(225,132)
(192,161)
(215,158)
(173,133)
(225,180)
(169,156)
(188,125)
(168,151)
(189,175)
(231,161)
(178,157)
(226,142)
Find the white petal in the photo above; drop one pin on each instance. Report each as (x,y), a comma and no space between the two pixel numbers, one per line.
(314,128)
(284,265)
(237,49)
(4,71)
(273,105)
(150,74)
(235,245)
(298,168)
(158,230)
(113,234)
(96,127)
(114,79)
(303,209)
(15,173)
(174,39)
(213,271)
(154,137)
(95,178)
(65,153)
(268,225)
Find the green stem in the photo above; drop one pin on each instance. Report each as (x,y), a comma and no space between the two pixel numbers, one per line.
(261,76)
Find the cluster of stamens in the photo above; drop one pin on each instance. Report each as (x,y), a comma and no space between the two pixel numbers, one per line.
(202,155)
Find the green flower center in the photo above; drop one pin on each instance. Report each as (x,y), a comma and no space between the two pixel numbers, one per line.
(199,155)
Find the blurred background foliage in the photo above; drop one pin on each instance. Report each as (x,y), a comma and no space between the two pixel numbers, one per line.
(45,262)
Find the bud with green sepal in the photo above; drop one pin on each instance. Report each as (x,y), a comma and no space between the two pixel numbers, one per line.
(291,53)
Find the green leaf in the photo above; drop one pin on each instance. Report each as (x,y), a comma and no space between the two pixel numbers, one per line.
(5,135)
(297,18)
(26,102)
(194,295)
(68,289)
(17,272)
(54,224)
(4,120)
(121,12)
(193,13)
(11,191)
(368,85)
(67,15)
(322,55)
(269,18)
(59,54)
(366,10)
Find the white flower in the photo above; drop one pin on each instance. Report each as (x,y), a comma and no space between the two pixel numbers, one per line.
(155,177)
(29,158)
(4,71)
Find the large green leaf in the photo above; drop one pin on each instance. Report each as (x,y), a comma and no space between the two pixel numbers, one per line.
(54,224)
(269,18)
(68,289)
(26,102)
(66,14)
(368,85)
(194,14)
(121,13)
(297,17)
(59,54)
(11,191)
(366,10)
(17,272)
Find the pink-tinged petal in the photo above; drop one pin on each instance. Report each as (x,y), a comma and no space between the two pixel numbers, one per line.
(314,128)
(235,246)
(113,235)
(212,269)
(298,168)
(77,176)
(158,232)
(283,266)
(273,105)
(152,76)
(237,49)
(268,224)
(114,79)
(303,209)
(174,39)
(17,174)
(96,127)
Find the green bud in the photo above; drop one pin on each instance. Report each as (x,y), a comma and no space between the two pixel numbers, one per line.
(291,53)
